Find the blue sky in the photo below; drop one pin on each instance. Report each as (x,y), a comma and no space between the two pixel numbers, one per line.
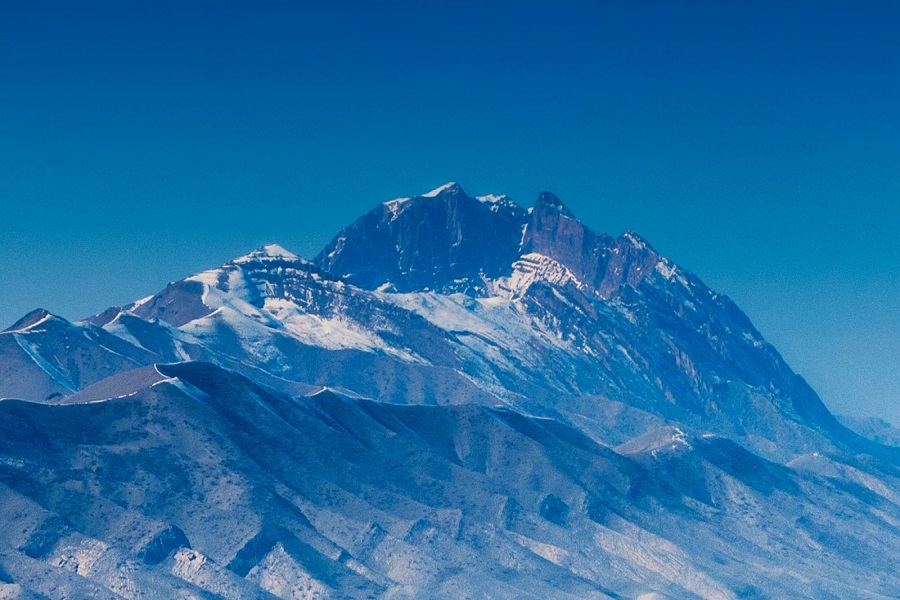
(755,143)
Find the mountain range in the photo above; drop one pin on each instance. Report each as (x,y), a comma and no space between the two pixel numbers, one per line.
(458,397)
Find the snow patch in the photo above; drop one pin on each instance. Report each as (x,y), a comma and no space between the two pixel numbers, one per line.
(40,321)
(634,240)
(395,206)
(267,252)
(335,333)
(666,269)
(32,350)
(449,186)
(534,267)
(757,343)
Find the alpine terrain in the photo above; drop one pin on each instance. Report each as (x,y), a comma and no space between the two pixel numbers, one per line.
(458,397)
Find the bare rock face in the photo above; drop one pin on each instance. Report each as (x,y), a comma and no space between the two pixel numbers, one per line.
(554,231)
(456,397)
(443,240)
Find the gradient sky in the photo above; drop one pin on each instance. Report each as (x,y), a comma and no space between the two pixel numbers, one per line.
(755,143)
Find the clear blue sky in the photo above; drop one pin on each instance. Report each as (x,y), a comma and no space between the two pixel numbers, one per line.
(755,143)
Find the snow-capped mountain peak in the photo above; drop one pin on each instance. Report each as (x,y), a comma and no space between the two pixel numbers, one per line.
(268,252)
(442,240)
(494,198)
(35,317)
(449,188)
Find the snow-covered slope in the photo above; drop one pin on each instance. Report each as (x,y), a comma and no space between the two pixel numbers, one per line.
(44,357)
(584,417)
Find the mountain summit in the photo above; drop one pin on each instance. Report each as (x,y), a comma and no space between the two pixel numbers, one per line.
(443,240)
(550,200)
(457,396)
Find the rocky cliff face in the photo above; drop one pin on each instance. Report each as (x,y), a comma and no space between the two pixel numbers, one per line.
(443,240)
(633,325)
(456,396)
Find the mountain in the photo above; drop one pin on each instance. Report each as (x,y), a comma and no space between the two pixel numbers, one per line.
(43,356)
(457,397)
(443,240)
(872,428)
(608,316)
